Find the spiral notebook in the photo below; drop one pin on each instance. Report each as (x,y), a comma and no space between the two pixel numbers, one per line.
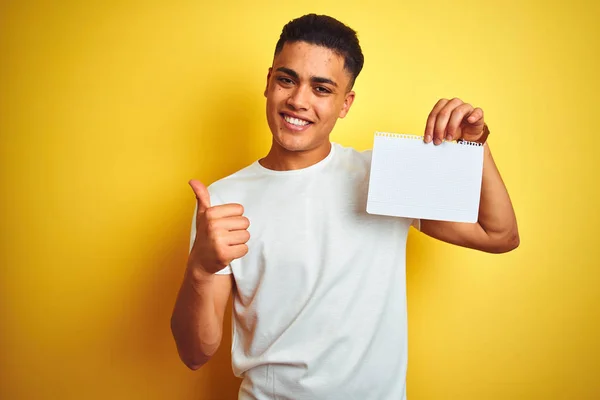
(413,179)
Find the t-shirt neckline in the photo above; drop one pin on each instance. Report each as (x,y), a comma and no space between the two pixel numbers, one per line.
(313,167)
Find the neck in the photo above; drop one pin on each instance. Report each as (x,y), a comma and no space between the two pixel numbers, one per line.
(281,159)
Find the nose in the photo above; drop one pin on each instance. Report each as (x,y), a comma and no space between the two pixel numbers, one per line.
(299,98)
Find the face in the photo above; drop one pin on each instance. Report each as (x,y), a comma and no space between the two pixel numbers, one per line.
(307,91)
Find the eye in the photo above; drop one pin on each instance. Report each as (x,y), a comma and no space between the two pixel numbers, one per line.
(322,90)
(285,81)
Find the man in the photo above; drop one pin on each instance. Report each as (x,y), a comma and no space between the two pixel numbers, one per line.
(319,298)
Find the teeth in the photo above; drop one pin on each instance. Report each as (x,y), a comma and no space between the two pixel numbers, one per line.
(295,121)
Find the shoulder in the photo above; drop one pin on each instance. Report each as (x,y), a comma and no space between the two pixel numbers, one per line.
(228,186)
(351,157)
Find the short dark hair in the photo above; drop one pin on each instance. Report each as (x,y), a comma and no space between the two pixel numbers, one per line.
(328,32)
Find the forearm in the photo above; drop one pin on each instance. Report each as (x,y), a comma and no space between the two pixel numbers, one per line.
(496,214)
(195,323)
(496,229)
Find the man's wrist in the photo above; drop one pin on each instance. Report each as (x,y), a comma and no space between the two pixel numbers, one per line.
(198,275)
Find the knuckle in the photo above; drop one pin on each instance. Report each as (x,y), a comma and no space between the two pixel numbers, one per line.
(210,213)
(212,225)
(217,244)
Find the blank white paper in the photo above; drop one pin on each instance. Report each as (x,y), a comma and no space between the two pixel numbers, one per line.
(412,179)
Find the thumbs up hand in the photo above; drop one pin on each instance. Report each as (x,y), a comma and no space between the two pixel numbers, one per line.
(221,233)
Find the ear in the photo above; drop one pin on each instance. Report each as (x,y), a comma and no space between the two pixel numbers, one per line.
(268,79)
(348,100)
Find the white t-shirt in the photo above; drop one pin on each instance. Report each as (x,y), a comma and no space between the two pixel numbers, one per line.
(319,310)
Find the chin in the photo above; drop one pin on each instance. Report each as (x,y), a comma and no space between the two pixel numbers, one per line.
(294,143)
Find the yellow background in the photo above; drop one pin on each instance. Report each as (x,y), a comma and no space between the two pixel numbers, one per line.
(108,108)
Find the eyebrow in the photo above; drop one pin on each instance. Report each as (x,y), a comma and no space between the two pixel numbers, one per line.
(316,79)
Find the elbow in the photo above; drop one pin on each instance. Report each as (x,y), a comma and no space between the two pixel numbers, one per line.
(513,241)
(192,365)
(507,243)
(198,357)
(193,354)
(516,241)
(194,360)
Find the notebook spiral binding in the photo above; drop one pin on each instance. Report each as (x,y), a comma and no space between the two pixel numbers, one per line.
(421,137)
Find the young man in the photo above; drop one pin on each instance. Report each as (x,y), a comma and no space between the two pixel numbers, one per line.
(319,298)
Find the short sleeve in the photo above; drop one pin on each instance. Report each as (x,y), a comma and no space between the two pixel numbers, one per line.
(215,201)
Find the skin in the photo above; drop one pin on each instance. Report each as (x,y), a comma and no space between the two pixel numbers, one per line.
(310,83)
(307,82)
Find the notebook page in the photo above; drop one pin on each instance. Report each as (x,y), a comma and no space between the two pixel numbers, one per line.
(410,178)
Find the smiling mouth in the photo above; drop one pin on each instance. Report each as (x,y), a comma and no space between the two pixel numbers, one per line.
(295,121)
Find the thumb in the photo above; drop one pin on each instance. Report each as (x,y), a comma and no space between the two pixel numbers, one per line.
(202,195)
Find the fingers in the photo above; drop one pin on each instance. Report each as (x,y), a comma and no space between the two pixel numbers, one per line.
(475,116)
(229,253)
(431,119)
(448,120)
(230,223)
(226,239)
(456,118)
(234,238)
(202,195)
(238,251)
(442,118)
(225,211)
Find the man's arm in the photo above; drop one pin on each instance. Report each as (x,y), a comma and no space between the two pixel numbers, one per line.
(496,229)
(197,320)
(219,236)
